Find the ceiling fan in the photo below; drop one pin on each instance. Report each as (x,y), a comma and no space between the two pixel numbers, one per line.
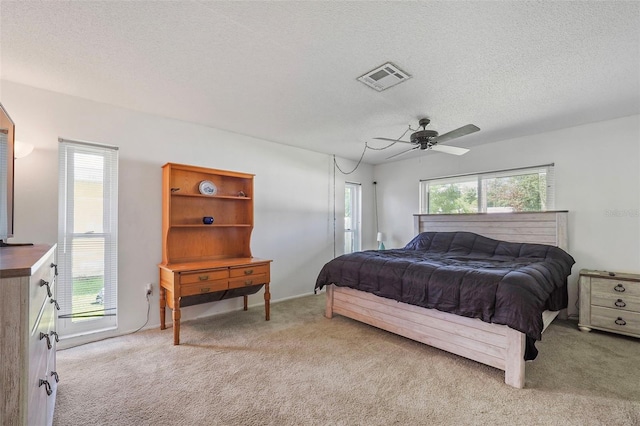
(429,139)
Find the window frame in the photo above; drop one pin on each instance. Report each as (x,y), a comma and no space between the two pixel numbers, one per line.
(353,234)
(481,179)
(66,237)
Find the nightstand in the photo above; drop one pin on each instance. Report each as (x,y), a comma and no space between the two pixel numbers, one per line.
(610,301)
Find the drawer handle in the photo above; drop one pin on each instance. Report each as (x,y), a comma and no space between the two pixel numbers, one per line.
(54,374)
(620,303)
(55,302)
(620,321)
(46,336)
(619,288)
(248,271)
(55,335)
(203,277)
(45,283)
(205,289)
(248,282)
(55,267)
(47,386)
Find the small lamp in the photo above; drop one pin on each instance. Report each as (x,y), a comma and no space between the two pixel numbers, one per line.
(22,149)
(380,239)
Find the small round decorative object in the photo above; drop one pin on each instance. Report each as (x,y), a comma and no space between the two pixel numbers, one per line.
(207,187)
(207,220)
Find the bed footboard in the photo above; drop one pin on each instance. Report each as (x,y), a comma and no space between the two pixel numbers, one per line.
(496,345)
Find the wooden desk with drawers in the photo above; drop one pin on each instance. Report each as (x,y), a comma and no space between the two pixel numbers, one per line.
(207,220)
(193,283)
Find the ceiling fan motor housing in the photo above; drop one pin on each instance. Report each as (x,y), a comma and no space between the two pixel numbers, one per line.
(422,136)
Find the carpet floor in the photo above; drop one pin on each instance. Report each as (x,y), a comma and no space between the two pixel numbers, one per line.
(303,369)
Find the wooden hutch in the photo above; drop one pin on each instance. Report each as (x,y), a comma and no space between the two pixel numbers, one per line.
(207,220)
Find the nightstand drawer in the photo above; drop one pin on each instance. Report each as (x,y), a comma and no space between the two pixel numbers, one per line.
(204,276)
(615,287)
(204,287)
(248,271)
(615,319)
(615,301)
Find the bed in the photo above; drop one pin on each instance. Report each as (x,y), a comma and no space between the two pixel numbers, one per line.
(505,252)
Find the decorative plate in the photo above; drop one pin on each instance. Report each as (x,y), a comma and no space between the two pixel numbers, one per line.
(207,188)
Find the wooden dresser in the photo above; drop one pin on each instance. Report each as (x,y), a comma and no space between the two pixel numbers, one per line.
(207,220)
(28,377)
(610,301)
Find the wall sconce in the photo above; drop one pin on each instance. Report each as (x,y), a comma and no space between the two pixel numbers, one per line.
(380,239)
(22,149)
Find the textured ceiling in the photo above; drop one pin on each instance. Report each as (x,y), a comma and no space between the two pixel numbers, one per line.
(286,71)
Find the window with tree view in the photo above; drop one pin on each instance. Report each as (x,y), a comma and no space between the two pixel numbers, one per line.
(517,190)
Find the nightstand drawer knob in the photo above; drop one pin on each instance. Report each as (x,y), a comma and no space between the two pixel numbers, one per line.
(620,321)
(619,288)
(620,303)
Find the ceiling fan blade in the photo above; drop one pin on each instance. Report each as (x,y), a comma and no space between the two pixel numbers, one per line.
(392,140)
(402,153)
(450,149)
(462,131)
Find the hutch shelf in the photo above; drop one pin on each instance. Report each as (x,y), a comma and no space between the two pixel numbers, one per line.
(207,220)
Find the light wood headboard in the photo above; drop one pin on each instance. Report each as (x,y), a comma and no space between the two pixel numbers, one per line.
(548,227)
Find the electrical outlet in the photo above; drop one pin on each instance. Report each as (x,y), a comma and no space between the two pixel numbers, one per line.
(148,289)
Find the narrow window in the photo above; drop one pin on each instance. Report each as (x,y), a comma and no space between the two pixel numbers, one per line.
(87,237)
(352,207)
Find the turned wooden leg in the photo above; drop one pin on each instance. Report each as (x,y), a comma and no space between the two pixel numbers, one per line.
(176,321)
(267,298)
(163,306)
(246,298)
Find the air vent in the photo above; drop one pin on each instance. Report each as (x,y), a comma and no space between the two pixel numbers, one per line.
(384,76)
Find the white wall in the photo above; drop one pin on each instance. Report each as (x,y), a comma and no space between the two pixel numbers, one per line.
(597,174)
(294,193)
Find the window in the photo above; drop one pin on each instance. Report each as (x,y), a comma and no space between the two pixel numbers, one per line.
(352,207)
(4,188)
(87,237)
(515,190)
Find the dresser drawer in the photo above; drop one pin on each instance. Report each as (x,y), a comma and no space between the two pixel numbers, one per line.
(247,271)
(41,358)
(615,319)
(204,287)
(204,276)
(38,290)
(615,287)
(248,281)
